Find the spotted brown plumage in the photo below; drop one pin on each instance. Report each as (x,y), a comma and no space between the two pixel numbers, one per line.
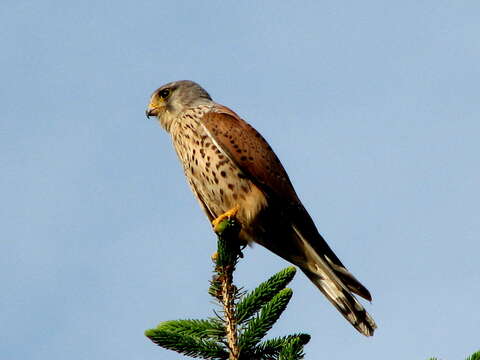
(228,165)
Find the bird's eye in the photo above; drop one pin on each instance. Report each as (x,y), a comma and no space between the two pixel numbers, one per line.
(164,93)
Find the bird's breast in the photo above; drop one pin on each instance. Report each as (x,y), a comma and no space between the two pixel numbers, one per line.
(218,183)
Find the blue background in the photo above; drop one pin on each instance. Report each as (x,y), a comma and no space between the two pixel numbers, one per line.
(372,106)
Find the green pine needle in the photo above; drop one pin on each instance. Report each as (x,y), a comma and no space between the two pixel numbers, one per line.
(474,356)
(201,329)
(253,301)
(258,326)
(188,345)
(228,243)
(270,349)
(293,350)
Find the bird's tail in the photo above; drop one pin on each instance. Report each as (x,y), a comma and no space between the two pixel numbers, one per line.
(323,275)
(345,302)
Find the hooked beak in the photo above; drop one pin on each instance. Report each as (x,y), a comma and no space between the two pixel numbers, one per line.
(151,111)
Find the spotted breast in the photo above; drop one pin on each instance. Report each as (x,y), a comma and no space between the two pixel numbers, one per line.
(217,182)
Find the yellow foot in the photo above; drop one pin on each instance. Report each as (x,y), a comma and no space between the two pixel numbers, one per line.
(227,215)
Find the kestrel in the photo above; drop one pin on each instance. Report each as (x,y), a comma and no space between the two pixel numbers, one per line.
(232,169)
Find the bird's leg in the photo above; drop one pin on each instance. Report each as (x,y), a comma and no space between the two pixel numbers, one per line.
(226,215)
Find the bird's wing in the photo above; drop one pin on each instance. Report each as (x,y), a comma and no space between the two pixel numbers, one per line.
(247,148)
(242,144)
(249,151)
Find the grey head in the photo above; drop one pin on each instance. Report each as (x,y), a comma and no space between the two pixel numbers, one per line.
(173,98)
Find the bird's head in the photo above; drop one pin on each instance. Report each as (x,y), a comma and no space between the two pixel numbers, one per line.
(168,101)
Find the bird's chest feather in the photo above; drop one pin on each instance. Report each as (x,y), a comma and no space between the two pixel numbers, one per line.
(216,180)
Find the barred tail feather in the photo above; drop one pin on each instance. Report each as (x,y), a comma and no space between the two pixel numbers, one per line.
(319,271)
(346,304)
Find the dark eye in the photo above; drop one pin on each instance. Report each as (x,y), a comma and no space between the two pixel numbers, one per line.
(164,93)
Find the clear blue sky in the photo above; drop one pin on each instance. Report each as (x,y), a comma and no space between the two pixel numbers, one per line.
(372,106)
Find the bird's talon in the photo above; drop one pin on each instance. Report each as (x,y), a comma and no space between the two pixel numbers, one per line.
(227,215)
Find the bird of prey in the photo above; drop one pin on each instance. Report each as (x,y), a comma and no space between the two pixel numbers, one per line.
(232,169)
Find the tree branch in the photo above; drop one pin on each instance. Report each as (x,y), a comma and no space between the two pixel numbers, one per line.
(226,259)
